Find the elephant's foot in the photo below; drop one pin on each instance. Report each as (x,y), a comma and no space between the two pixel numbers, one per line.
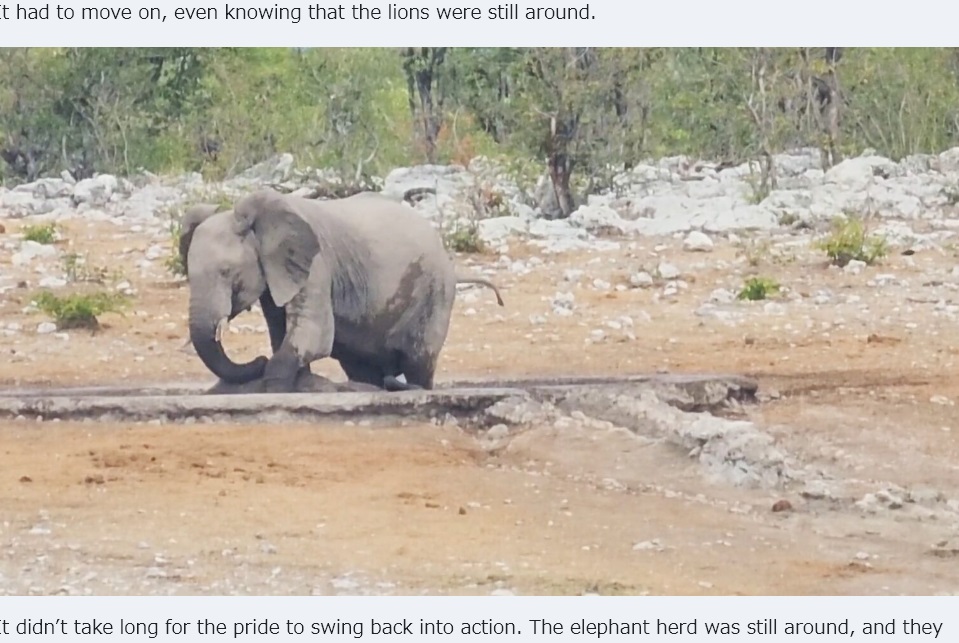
(282,372)
(391,384)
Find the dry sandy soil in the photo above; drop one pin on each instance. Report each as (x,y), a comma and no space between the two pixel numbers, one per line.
(861,386)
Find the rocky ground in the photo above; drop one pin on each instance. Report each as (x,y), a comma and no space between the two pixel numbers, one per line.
(842,479)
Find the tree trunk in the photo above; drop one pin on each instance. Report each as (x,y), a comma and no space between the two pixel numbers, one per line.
(422,67)
(560,171)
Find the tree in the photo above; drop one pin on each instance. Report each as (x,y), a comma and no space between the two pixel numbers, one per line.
(424,78)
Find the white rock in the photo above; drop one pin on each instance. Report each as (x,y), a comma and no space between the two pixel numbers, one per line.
(668,271)
(496,229)
(854,267)
(858,172)
(722,296)
(30,250)
(52,282)
(95,191)
(599,218)
(155,251)
(697,241)
(562,303)
(648,545)
(45,328)
(640,279)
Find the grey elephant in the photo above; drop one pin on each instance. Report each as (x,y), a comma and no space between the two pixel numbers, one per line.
(364,280)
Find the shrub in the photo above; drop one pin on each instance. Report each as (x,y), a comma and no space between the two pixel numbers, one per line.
(951,194)
(465,239)
(45,233)
(79,310)
(849,241)
(758,288)
(174,262)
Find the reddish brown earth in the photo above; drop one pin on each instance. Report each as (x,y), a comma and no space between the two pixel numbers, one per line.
(141,508)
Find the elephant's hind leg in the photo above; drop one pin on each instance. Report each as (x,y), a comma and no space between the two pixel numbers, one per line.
(361,371)
(418,371)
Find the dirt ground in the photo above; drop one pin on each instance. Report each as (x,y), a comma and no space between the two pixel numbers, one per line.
(862,386)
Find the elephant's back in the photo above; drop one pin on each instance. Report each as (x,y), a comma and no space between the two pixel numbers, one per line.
(380,216)
(402,253)
(389,229)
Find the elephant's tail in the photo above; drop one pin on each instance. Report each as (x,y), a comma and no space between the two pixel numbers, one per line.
(482,282)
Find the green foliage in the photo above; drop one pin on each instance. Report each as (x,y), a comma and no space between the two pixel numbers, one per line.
(758,288)
(849,241)
(465,238)
(45,233)
(79,310)
(222,110)
(174,262)
(902,101)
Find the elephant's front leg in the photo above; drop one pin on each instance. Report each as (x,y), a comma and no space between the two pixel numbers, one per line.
(275,317)
(309,334)
(276,325)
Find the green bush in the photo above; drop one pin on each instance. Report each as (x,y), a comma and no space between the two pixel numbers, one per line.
(758,288)
(174,262)
(849,241)
(361,112)
(80,310)
(465,239)
(45,233)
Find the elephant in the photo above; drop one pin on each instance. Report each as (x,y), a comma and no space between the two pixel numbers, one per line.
(363,280)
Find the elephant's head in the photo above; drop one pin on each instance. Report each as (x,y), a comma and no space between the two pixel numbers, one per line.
(232,258)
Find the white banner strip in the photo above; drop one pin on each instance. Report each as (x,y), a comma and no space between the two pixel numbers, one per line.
(393,23)
(584,618)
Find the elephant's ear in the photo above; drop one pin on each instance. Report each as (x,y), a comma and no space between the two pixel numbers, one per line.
(192,217)
(286,243)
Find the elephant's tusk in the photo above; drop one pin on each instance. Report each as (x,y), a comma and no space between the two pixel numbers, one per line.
(221,327)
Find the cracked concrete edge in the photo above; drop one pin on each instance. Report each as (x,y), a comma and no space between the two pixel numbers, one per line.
(697,389)
(194,401)
(258,407)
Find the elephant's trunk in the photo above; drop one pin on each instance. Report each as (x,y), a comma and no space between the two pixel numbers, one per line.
(204,333)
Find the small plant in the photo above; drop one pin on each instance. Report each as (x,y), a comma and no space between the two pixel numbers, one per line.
(758,288)
(79,310)
(758,188)
(755,251)
(174,262)
(951,194)
(848,241)
(44,233)
(78,269)
(788,218)
(465,239)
